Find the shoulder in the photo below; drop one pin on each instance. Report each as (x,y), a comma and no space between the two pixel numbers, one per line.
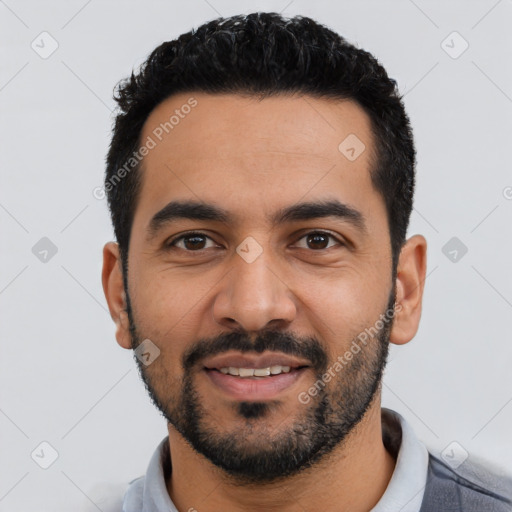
(146,492)
(133,497)
(106,496)
(472,487)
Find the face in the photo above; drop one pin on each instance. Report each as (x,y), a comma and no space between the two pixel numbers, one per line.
(280,269)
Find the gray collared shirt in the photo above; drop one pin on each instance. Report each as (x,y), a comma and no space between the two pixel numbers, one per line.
(404,492)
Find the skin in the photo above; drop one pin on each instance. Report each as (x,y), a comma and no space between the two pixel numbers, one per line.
(252,158)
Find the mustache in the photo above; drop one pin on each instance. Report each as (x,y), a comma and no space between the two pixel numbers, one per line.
(308,348)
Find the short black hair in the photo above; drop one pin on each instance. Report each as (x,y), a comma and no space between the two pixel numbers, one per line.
(264,54)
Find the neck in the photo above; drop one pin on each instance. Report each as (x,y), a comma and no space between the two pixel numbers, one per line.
(353,477)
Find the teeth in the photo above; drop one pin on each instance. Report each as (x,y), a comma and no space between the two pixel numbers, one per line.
(255,372)
(261,372)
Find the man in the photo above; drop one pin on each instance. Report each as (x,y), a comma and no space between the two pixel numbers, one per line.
(260,181)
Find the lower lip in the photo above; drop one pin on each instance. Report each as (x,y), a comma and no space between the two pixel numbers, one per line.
(247,388)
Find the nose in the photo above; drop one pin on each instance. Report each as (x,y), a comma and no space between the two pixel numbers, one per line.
(253,297)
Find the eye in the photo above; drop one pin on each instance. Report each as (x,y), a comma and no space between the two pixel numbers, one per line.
(319,240)
(197,241)
(192,242)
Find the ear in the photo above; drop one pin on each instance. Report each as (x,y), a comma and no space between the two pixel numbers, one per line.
(410,280)
(112,280)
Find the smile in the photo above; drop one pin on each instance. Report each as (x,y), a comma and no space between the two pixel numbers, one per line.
(244,383)
(255,372)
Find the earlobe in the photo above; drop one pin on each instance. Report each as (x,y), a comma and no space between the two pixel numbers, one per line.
(113,288)
(410,282)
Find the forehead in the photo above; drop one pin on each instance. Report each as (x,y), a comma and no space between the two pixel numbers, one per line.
(255,155)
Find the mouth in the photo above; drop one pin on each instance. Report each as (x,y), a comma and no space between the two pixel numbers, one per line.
(264,377)
(256,373)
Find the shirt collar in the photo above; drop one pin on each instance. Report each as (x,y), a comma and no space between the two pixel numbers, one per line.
(149,493)
(404,492)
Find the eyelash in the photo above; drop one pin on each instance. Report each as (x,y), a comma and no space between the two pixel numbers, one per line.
(172,243)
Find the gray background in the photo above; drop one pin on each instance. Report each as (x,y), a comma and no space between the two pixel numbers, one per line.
(64,379)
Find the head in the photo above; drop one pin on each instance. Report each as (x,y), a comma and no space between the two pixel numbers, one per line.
(260,181)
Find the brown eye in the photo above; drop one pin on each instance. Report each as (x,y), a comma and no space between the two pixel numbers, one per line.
(318,240)
(192,242)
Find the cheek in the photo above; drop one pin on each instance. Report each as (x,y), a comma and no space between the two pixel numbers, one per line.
(167,308)
(344,307)
(161,297)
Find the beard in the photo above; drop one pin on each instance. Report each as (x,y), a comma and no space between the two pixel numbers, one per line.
(253,452)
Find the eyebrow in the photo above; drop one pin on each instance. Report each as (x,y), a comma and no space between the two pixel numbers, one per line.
(195,210)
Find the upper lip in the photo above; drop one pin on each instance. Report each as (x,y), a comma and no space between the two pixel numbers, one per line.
(265,360)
